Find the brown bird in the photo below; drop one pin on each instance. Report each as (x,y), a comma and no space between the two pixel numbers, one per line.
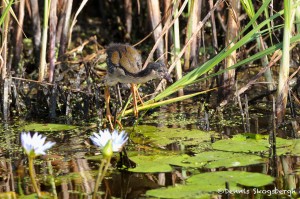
(124,65)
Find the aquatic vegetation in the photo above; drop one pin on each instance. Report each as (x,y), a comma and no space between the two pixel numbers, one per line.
(47,127)
(118,139)
(108,143)
(34,146)
(198,186)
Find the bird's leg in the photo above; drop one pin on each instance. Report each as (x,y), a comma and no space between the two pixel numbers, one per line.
(118,93)
(108,113)
(134,91)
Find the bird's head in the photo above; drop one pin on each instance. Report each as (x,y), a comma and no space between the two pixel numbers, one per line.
(160,71)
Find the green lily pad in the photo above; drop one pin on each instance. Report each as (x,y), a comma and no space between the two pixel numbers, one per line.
(47,127)
(234,178)
(216,159)
(200,185)
(293,149)
(209,159)
(165,136)
(155,163)
(247,143)
(179,191)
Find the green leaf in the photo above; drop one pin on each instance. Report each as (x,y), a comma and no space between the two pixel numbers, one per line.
(164,136)
(47,127)
(198,186)
(249,143)
(232,177)
(152,164)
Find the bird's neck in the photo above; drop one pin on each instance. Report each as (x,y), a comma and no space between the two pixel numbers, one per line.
(142,76)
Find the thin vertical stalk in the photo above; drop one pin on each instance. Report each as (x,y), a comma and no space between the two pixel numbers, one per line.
(66,25)
(128,18)
(42,67)
(282,91)
(272,141)
(101,173)
(178,68)
(155,18)
(232,32)
(52,35)
(190,25)
(36,26)
(214,29)
(18,41)
(33,176)
(52,181)
(66,28)
(167,20)
(191,53)
(5,19)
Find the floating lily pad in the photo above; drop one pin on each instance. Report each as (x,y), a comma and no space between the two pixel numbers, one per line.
(293,149)
(209,159)
(234,178)
(155,163)
(199,185)
(247,143)
(47,127)
(179,191)
(216,159)
(165,136)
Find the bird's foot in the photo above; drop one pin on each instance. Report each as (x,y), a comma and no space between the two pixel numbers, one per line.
(112,124)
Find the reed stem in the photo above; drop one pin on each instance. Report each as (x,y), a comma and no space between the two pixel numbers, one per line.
(33,176)
(101,174)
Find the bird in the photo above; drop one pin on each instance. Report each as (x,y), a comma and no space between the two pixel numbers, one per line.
(124,65)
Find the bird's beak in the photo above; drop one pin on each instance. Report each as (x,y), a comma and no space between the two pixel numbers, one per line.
(168,77)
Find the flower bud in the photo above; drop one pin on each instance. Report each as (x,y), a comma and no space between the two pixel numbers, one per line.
(107,150)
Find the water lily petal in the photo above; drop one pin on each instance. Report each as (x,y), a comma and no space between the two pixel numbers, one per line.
(35,145)
(118,139)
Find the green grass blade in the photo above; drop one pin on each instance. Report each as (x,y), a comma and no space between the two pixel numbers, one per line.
(6,10)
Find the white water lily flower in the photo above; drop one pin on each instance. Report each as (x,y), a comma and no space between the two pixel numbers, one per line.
(35,145)
(118,139)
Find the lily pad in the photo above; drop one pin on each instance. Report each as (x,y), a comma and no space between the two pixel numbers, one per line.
(155,163)
(234,178)
(247,143)
(216,159)
(47,127)
(201,184)
(293,149)
(209,159)
(165,136)
(179,191)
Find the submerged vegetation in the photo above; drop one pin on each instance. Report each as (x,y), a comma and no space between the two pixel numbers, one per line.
(235,70)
